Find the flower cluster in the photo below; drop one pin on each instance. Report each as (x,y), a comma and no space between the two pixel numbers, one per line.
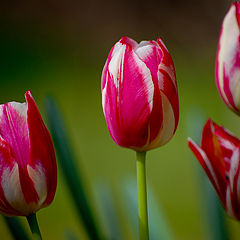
(219,153)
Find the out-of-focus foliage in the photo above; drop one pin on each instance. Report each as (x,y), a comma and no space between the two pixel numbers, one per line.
(60,48)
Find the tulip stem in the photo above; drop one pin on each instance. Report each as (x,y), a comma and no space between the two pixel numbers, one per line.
(33,224)
(142,196)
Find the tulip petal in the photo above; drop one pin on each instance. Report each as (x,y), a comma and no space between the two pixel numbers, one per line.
(213,146)
(167,87)
(208,168)
(168,125)
(158,60)
(127,98)
(38,177)
(41,152)
(7,169)
(167,62)
(234,180)
(12,188)
(150,53)
(228,60)
(13,129)
(115,49)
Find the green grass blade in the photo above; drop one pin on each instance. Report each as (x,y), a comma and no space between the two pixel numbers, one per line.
(107,209)
(216,216)
(73,177)
(70,235)
(16,228)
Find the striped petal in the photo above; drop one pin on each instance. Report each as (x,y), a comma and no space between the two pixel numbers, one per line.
(234,182)
(208,168)
(139,94)
(27,161)
(42,157)
(127,98)
(228,59)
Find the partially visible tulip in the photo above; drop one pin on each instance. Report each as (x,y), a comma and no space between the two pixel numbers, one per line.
(28,171)
(139,94)
(228,59)
(219,156)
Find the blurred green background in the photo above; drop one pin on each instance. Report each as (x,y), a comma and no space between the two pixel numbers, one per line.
(59,48)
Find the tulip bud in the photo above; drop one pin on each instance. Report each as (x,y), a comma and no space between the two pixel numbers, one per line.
(219,156)
(28,171)
(139,94)
(228,59)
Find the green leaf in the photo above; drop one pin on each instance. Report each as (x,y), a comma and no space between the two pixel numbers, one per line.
(73,177)
(107,209)
(16,228)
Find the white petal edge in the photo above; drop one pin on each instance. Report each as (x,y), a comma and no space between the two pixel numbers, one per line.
(21,108)
(116,63)
(12,189)
(235,161)
(167,130)
(207,162)
(171,73)
(39,179)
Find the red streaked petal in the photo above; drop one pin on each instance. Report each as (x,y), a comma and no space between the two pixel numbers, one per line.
(168,125)
(129,42)
(150,53)
(228,59)
(166,85)
(12,178)
(228,142)
(234,182)
(206,163)
(41,150)
(167,62)
(237,6)
(212,147)
(116,48)
(127,111)
(7,163)
(14,130)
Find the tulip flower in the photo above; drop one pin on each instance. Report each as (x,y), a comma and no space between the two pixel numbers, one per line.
(28,171)
(219,155)
(228,59)
(140,104)
(139,94)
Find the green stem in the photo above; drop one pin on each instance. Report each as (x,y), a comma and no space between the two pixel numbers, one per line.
(142,196)
(33,224)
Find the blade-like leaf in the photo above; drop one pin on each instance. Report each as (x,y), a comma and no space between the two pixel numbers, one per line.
(107,210)
(70,235)
(73,177)
(16,228)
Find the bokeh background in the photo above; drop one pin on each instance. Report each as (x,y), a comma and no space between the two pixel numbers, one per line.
(59,48)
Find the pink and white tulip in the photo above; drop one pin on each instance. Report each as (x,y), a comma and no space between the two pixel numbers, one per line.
(28,171)
(219,156)
(139,94)
(228,59)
